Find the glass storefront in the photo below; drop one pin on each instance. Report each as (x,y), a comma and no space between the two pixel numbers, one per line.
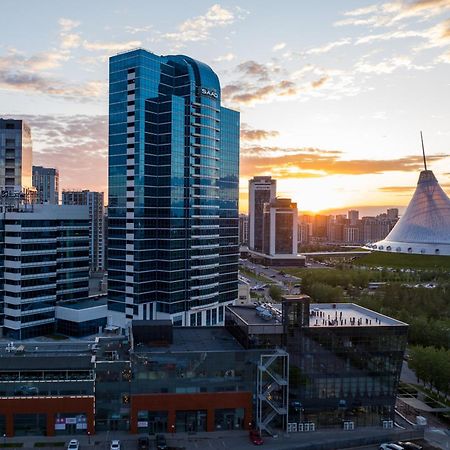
(152,422)
(190,421)
(229,419)
(70,424)
(30,424)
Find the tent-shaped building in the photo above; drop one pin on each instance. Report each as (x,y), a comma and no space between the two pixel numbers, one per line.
(424,228)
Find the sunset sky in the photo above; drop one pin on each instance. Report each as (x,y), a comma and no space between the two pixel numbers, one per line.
(332,94)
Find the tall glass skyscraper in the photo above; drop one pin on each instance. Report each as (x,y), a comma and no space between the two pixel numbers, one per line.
(173,191)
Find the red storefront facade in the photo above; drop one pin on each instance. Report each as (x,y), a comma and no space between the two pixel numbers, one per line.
(51,407)
(175,403)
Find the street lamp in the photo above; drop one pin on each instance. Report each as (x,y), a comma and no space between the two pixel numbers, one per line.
(89,437)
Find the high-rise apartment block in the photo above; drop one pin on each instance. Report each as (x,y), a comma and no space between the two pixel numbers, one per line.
(46,182)
(46,261)
(280,227)
(15,158)
(95,202)
(261,189)
(173,191)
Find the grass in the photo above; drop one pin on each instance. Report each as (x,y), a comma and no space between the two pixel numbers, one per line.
(402,260)
(248,273)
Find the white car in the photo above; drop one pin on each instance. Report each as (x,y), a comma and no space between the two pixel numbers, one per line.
(73,445)
(390,446)
(115,445)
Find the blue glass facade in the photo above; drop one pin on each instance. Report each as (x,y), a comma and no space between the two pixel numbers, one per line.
(173,189)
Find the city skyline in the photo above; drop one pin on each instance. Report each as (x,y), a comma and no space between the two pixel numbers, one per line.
(331,101)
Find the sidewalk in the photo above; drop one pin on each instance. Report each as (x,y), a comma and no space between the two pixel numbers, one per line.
(236,440)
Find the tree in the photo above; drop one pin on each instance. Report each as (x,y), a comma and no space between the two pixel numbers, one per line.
(275,292)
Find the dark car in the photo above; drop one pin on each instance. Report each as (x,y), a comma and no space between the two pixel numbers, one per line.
(409,445)
(161,443)
(143,443)
(255,437)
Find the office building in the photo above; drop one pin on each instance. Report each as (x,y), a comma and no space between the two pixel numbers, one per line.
(353,217)
(15,161)
(280,227)
(46,261)
(261,190)
(95,202)
(173,191)
(46,182)
(317,366)
(243,229)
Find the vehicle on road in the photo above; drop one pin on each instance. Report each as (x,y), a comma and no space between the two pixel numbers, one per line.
(73,445)
(255,437)
(115,445)
(161,443)
(143,443)
(390,446)
(409,445)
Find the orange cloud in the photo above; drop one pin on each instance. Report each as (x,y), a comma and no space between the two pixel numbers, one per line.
(313,163)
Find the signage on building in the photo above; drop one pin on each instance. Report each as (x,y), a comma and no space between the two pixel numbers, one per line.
(142,423)
(209,92)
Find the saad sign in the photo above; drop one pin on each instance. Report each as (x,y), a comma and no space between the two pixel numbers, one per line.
(208,92)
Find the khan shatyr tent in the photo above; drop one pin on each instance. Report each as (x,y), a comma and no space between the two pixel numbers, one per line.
(424,228)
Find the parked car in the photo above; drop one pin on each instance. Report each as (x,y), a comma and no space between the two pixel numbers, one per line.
(390,446)
(143,443)
(255,437)
(115,445)
(161,443)
(409,445)
(73,445)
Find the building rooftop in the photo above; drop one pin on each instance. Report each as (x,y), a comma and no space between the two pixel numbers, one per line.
(85,303)
(321,315)
(195,339)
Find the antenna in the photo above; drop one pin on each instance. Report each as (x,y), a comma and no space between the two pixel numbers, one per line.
(423,152)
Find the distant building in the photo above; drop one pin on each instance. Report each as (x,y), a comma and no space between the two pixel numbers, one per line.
(243,229)
(15,158)
(95,202)
(261,190)
(392,213)
(353,217)
(280,228)
(46,182)
(46,261)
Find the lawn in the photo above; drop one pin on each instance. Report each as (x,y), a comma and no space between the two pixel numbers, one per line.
(403,260)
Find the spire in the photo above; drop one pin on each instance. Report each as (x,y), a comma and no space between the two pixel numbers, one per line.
(423,152)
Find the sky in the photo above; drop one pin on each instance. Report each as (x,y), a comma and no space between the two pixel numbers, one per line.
(332,94)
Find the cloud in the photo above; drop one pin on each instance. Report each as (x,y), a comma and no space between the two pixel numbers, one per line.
(320,82)
(68,38)
(327,47)
(254,69)
(18,73)
(279,46)
(63,141)
(135,30)
(200,27)
(314,163)
(388,66)
(391,13)
(68,24)
(250,134)
(111,46)
(405,189)
(226,57)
